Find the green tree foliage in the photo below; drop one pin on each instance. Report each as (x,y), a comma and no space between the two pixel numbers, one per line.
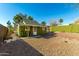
(18,18)
(25,17)
(9,24)
(43,23)
(10,27)
(30,18)
(60,21)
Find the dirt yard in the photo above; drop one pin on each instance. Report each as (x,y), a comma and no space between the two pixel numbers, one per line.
(52,44)
(57,44)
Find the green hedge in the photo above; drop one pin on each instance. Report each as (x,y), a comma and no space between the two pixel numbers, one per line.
(40,31)
(11,31)
(22,31)
(67,28)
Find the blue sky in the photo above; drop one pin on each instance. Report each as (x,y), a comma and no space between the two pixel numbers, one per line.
(39,11)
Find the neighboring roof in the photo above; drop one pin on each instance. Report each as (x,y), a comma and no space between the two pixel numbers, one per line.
(77,21)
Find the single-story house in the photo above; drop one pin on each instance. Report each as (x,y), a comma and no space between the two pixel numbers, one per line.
(30,28)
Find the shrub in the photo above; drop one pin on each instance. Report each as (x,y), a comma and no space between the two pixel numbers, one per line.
(40,31)
(11,31)
(22,31)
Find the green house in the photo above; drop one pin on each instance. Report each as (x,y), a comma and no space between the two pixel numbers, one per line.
(30,28)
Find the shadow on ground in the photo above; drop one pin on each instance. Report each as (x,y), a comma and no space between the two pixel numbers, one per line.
(18,48)
(46,36)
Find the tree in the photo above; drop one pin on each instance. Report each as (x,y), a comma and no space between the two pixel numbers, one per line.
(10,27)
(60,21)
(30,18)
(43,23)
(18,18)
(71,24)
(25,17)
(9,24)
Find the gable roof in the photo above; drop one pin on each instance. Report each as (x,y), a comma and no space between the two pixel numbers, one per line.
(31,22)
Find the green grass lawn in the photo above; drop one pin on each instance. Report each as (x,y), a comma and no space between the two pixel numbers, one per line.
(67,28)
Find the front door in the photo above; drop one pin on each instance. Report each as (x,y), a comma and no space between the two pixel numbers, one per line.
(34,30)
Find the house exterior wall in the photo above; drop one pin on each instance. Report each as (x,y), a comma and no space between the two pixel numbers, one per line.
(48,29)
(30,30)
(34,30)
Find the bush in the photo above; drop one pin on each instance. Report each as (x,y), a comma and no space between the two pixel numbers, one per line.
(11,31)
(22,31)
(40,31)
